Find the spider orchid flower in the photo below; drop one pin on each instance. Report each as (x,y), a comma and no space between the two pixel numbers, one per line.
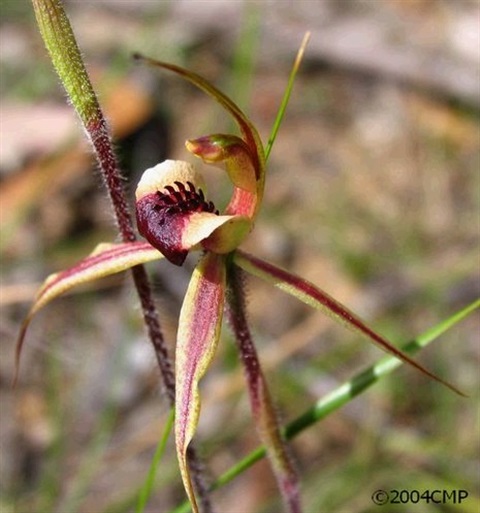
(176,217)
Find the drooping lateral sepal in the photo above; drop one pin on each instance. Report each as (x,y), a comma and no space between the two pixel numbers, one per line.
(197,338)
(319,299)
(105,260)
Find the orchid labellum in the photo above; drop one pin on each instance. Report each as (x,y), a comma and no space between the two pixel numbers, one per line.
(176,216)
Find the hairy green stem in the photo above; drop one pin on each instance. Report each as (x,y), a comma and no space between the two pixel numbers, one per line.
(61,44)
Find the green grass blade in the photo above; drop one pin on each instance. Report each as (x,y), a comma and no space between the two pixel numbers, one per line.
(147,487)
(286,96)
(342,395)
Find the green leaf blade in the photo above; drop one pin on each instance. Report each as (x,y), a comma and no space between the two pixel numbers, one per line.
(286,96)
